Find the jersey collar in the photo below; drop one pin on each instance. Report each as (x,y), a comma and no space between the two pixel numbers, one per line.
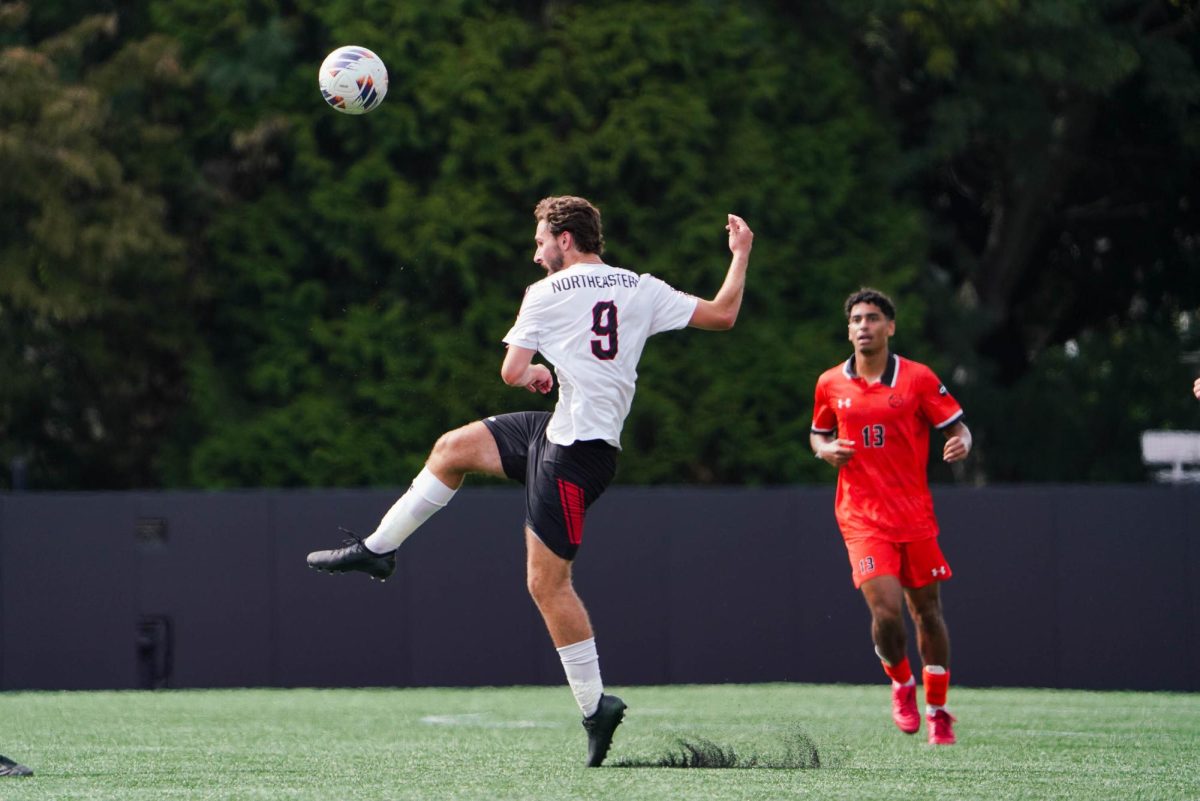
(890,374)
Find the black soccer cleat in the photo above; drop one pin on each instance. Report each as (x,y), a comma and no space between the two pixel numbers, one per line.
(354,556)
(10,768)
(601,726)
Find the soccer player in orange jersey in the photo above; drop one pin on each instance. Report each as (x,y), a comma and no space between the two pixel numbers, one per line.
(871,420)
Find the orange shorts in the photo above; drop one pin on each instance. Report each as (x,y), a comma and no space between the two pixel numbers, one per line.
(915,563)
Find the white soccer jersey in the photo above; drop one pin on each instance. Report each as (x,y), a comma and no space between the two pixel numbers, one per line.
(591,322)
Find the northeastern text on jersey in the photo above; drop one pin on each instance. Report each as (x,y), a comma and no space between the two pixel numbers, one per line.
(594,281)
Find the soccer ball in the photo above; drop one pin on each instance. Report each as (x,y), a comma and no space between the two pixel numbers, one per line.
(353,80)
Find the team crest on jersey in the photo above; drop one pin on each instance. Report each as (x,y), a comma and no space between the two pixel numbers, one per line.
(895,401)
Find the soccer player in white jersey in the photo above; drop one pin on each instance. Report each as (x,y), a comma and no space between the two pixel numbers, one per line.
(589,320)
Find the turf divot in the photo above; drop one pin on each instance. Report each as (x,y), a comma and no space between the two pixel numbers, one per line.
(800,753)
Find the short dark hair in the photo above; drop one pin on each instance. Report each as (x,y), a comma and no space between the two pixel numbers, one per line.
(574,214)
(873,296)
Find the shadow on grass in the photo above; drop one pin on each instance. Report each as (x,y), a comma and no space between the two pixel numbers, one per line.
(799,753)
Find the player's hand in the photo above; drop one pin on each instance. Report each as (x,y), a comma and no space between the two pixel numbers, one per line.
(837,452)
(540,379)
(956,450)
(741,238)
(1196,388)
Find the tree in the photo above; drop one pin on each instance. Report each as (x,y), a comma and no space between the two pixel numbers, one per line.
(1054,148)
(211,279)
(93,297)
(363,282)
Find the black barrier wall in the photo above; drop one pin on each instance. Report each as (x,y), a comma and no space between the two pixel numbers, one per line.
(1082,587)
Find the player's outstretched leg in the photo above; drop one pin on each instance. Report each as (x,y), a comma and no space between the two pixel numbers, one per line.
(10,768)
(601,726)
(469,449)
(354,556)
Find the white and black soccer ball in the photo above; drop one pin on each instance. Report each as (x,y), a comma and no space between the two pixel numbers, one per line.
(353,80)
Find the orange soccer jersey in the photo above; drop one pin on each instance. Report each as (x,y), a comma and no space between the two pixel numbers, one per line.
(883,491)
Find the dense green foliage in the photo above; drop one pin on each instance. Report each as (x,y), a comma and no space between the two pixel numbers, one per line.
(208,278)
(1053,144)
(94,292)
(526,743)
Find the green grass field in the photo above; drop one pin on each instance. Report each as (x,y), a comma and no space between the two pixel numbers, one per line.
(526,743)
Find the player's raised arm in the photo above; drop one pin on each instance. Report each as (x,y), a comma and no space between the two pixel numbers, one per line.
(720,313)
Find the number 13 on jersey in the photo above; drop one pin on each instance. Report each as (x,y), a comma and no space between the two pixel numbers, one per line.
(872,436)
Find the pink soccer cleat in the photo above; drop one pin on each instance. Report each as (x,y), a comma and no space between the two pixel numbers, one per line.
(941,728)
(904,708)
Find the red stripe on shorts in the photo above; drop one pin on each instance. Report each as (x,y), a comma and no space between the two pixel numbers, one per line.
(571,497)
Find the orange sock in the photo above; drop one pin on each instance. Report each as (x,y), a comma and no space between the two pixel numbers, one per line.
(937,684)
(900,672)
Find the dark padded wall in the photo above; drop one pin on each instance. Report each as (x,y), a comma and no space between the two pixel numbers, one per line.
(68,592)
(1125,595)
(1001,605)
(1087,587)
(213,579)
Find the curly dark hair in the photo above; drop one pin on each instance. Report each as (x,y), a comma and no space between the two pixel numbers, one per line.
(574,214)
(872,296)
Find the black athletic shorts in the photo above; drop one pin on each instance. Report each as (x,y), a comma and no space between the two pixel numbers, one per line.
(561,481)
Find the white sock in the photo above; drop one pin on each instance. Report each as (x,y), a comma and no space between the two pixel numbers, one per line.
(426,496)
(582,666)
